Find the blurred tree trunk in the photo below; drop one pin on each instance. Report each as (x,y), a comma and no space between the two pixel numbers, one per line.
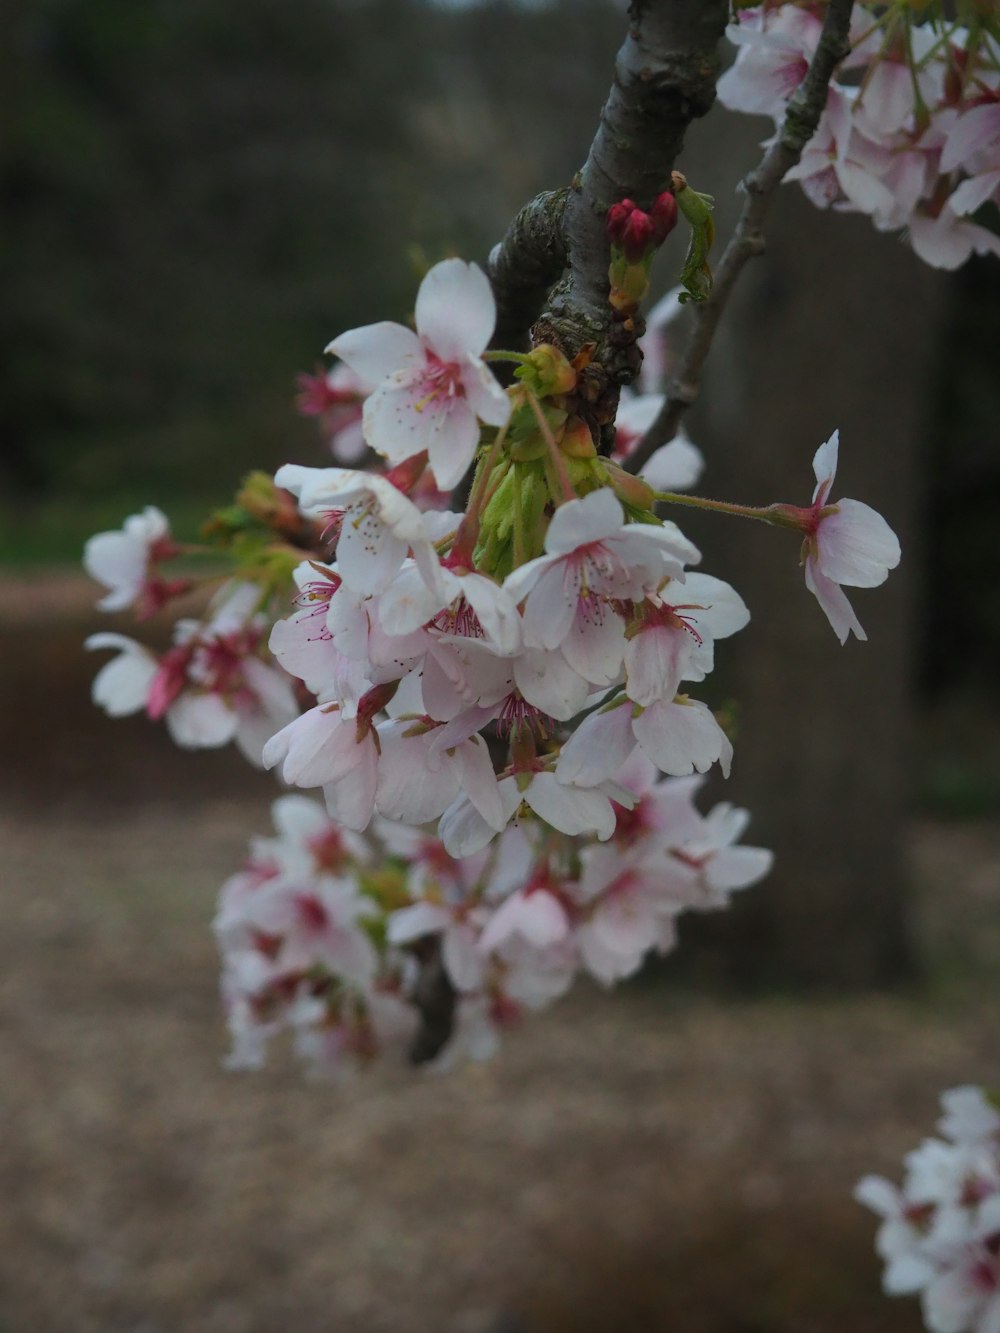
(835,326)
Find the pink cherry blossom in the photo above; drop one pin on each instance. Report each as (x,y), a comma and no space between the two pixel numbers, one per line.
(322,748)
(846,543)
(210,688)
(946,240)
(378,525)
(680,736)
(124,562)
(775,47)
(433,387)
(593,558)
(673,636)
(336,397)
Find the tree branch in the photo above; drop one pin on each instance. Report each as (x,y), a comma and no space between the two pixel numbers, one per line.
(526,264)
(434,997)
(799,125)
(664,78)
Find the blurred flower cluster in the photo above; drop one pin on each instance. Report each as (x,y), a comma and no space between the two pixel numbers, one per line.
(940,1232)
(910,134)
(322,932)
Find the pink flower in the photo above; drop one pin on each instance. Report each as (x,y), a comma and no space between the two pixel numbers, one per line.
(432,387)
(593,558)
(323,748)
(124,562)
(673,467)
(210,688)
(336,397)
(378,524)
(846,543)
(775,49)
(947,240)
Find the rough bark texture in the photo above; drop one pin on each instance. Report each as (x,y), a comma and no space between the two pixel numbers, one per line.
(526,264)
(665,77)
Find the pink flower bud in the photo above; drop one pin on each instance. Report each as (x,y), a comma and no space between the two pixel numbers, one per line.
(664,216)
(638,236)
(618,216)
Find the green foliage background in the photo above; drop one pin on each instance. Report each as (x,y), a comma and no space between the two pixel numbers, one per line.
(198,196)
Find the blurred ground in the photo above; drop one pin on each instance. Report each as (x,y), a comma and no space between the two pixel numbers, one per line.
(655,1161)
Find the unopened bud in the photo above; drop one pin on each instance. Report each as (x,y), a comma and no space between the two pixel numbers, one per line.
(577,440)
(638,236)
(404,476)
(618,216)
(547,371)
(632,491)
(664,216)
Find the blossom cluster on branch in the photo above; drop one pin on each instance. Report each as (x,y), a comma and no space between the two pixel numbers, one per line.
(910,134)
(500,693)
(323,930)
(940,1231)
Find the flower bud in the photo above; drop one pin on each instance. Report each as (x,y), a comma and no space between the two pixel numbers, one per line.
(638,236)
(577,440)
(550,373)
(664,216)
(618,216)
(632,491)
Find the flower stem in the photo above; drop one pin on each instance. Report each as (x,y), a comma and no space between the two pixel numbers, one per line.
(778,516)
(520,358)
(555,453)
(468,530)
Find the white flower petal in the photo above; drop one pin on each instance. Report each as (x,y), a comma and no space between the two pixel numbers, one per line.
(455,311)
(833,600)
(856,546)
(825,465)
(377,350)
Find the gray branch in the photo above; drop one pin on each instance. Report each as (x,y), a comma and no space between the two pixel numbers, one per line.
(801,119)
(664,78)
(526,264)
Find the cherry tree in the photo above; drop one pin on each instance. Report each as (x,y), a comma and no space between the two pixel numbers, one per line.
(478,639)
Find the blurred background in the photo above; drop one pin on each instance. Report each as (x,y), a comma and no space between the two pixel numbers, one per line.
(196,198)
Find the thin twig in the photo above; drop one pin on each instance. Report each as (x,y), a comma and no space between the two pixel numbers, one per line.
(801,119)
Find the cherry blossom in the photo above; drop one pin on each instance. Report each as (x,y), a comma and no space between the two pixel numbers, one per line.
(915,144)
(124,562)
(939,1231)
(592,557)
(322,748)
(210,688)
(846,543)
(675,466)
(336,397)
(775,47)
(433,388)
(377,525)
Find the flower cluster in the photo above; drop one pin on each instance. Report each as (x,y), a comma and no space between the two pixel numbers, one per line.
(492,697)
(323,931)
(940,1233)
(911,130)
